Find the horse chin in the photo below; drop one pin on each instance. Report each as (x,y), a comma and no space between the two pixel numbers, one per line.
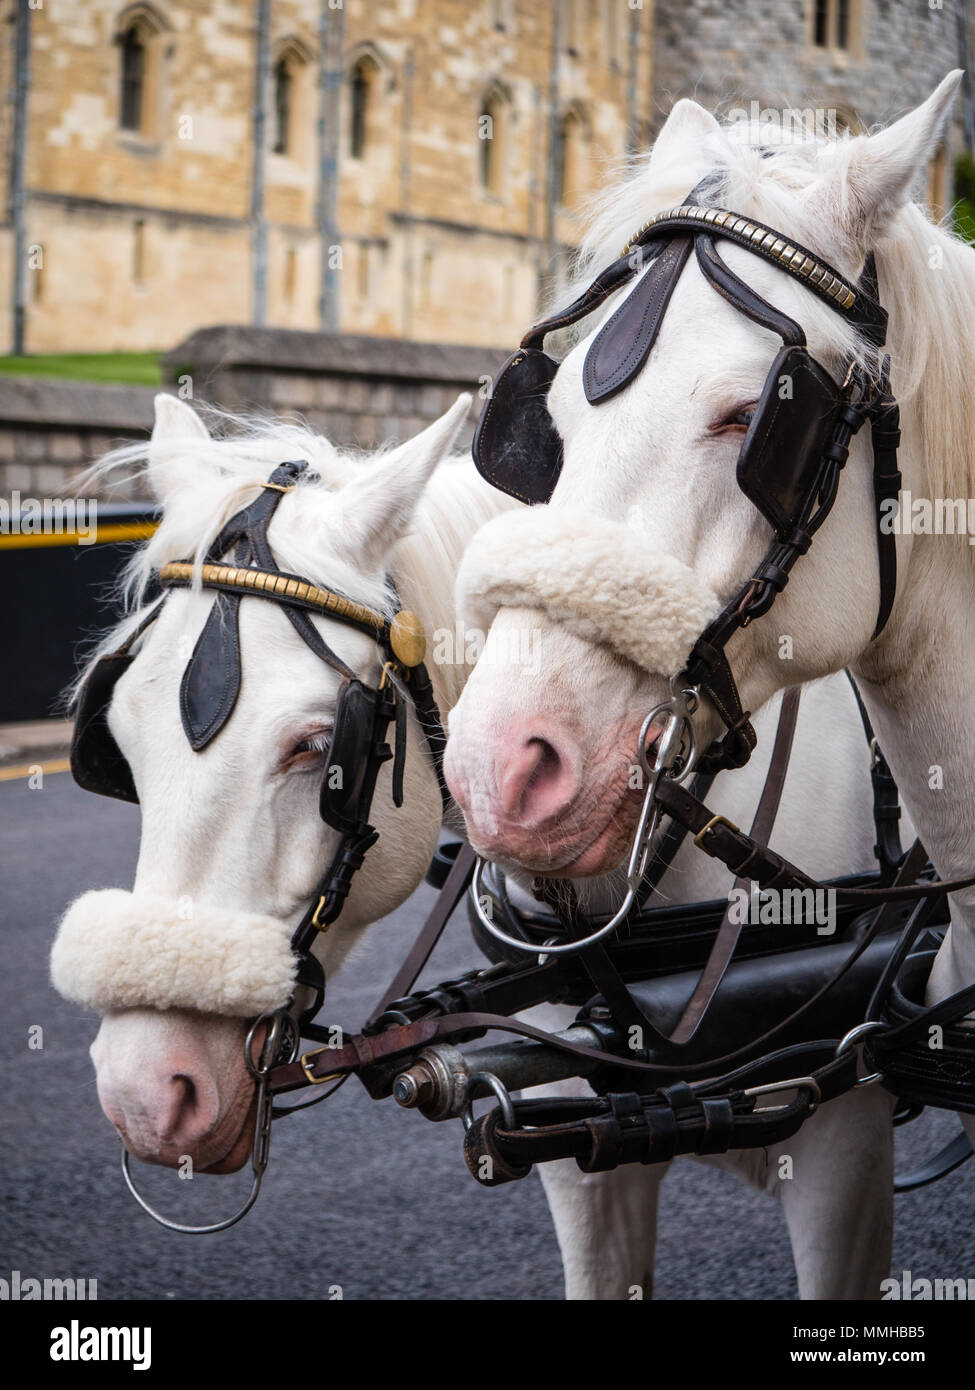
(240,1152)
(575,852)
(611,846)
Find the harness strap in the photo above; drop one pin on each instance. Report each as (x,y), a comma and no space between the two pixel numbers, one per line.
(625,1009)
(454,888)
(630,1128)
(560,895)
(361,1051)
(886,798)
(673,837)
(886,437)
(729,931)
(945,1161)
(721,839)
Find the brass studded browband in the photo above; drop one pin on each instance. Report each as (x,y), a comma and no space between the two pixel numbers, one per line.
(404,632)
(756,237)
(274,586)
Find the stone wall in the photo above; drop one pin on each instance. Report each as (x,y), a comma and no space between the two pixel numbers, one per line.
(49,431)
(728,53)
(358,391)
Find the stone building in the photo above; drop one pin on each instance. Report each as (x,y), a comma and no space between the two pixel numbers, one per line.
(398,168)
(390,167)
(850,63)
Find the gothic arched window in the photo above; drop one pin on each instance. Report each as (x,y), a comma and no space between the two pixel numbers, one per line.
(133,78)
(361,91)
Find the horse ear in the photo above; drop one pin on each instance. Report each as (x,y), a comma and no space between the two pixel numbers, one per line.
(683,133)
(868,178)
(175,430)
(374,510)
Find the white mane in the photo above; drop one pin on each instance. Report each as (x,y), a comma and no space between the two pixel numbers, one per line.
(227,472)
(931,306)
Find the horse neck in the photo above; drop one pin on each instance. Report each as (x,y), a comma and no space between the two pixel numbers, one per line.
(920,689)
(456,503)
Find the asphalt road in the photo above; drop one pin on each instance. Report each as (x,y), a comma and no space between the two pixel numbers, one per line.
(359,1193)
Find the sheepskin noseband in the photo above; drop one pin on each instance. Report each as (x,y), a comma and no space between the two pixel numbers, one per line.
(118,950)
(596,577)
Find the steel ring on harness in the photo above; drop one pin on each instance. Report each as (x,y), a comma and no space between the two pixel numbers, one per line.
(280,1021)
(850,1040)
(676,742)
(497,1086)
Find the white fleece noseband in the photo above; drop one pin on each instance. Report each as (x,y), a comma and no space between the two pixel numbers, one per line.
(116,950)
(598,578)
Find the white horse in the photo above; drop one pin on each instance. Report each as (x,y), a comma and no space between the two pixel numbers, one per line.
(540,762)
(232,842)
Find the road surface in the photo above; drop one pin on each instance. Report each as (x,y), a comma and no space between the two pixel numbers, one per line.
(359,1194)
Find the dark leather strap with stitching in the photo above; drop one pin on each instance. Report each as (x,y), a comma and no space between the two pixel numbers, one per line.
(719,838)
(729,931)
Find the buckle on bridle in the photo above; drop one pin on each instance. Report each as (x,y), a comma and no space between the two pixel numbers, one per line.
(305,1063)
(794,1083)
(715,820)
(320,926)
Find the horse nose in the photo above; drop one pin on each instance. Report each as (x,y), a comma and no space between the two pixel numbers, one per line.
(539,780)
(183,1116)
(171,1112)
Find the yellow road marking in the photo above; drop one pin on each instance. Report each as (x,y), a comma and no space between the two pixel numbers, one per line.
(109,531)
(13,774)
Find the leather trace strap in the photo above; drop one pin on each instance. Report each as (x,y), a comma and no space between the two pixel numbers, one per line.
(762,825)
(886,798)
(717,836)
(454,888)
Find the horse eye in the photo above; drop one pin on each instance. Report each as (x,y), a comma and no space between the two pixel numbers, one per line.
(739,421)
(314,743)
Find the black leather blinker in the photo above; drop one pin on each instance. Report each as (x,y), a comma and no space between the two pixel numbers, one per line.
(516,446)
(357,751)
(97,762)
(781,458)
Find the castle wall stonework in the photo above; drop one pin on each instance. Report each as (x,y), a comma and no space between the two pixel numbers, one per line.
(149,234)
(139,237)
(359,392)
(728,53)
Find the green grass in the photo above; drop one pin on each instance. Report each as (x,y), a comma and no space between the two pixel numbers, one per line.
(130,368)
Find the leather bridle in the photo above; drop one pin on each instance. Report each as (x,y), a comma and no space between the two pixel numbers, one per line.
(358,748)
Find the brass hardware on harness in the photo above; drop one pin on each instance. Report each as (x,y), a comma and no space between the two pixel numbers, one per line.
(715,820)
(278,487)
(322,926)
(389,673)
(305,1063)
(407,638)
(793,259)
(326,601)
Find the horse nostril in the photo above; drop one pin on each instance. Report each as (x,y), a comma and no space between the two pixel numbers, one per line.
(538,782)
(548,763)
(183,1104)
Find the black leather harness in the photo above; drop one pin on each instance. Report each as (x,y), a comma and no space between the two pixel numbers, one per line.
(211,684)
(673,1094)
